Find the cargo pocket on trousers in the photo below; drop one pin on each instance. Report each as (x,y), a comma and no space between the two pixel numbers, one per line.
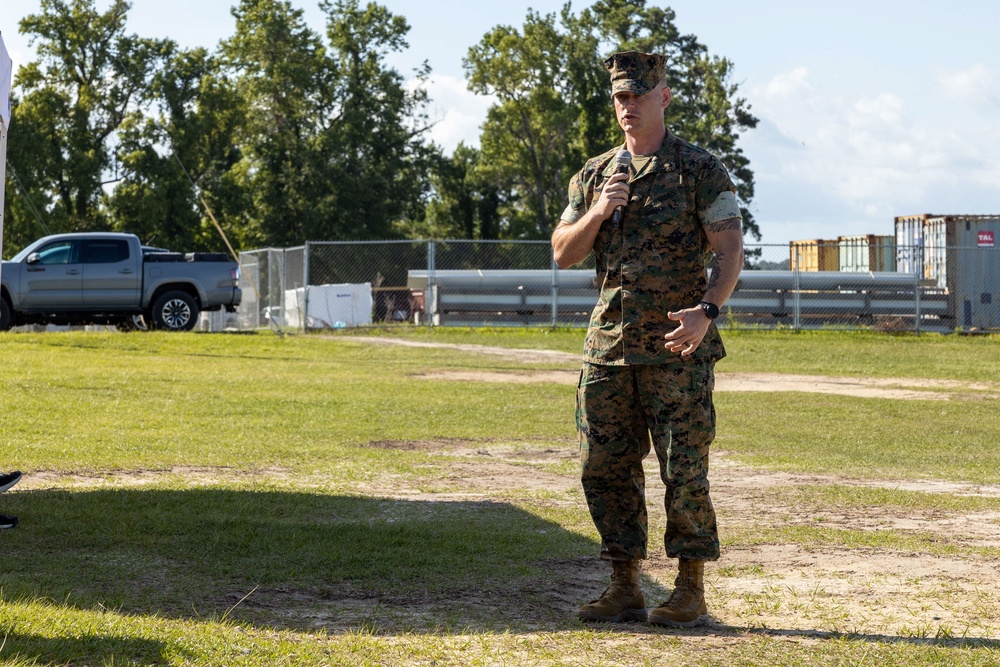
(702,413)
(703,380)
(581,419)
(589,374)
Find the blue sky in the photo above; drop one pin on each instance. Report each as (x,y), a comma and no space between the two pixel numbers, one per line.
(867,110)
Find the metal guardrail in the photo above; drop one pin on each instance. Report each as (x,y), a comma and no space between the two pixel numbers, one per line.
(800,299)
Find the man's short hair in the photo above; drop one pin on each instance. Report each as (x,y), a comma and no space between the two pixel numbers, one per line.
(636,72)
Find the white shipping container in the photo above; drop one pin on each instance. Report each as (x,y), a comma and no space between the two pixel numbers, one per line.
(869,252)
(910,242)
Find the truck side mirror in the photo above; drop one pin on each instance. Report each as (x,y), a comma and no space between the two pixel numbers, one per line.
(33,258)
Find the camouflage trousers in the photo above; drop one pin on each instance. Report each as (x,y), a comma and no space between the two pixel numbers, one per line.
(621,410)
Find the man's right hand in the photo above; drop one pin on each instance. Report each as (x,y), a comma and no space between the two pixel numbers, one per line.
(614,194)
(572,242)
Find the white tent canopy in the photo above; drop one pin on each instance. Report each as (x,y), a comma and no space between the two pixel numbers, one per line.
(6,69)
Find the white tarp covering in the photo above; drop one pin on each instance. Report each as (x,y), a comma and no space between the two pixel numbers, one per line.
(6,71)
(330,306)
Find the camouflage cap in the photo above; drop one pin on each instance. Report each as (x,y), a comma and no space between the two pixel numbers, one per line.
(635,72)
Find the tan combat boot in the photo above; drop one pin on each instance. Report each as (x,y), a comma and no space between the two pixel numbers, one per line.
(622,600)
(686,606)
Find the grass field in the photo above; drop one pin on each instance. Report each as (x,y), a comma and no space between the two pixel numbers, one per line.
(210,499)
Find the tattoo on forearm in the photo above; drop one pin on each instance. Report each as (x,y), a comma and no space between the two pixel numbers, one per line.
(729,224)
(716,270)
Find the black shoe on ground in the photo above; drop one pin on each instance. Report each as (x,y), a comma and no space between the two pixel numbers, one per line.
(9,479)
(7,521)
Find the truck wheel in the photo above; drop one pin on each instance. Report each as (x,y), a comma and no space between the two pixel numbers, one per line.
(133,323)
(175,311)
(6,316)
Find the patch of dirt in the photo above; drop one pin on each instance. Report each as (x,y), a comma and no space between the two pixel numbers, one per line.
(490,471)
(780,588)
(515,377)
(893,388)
(523,355)
(897,388)
(96,479)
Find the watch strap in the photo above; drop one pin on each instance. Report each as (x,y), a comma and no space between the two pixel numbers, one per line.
(711,310)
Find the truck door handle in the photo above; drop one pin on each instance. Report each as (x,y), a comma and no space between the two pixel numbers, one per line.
(74,272)
(125,271)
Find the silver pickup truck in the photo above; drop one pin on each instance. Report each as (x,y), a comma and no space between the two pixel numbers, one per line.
(109,278)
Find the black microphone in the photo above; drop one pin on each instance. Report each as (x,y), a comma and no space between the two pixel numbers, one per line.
(623,159)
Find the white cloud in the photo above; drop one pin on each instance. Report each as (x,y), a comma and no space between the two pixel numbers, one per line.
(788,83)
(456,112)
(976,84)
(867,158)
(884,108)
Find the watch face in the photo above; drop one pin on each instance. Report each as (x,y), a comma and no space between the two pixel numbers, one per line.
(710,309)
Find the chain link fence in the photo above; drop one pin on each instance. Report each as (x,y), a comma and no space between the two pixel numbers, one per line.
(854,283)
(271,279)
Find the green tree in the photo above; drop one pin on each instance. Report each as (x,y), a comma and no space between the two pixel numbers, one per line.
(333,146)
(70,105)
(183,154)
(276,61)
(529,136)
(463,204)
(554,108)
(375,147)
(26,217)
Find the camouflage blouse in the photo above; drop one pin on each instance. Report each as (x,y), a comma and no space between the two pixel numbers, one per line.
(655,261)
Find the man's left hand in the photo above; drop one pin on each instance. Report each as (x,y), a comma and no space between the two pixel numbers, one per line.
(692,329)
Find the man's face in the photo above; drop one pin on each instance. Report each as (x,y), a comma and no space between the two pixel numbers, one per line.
(636,113)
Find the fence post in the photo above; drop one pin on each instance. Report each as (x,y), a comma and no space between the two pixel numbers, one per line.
(304,313)
(431,296)
(917,272)
(555,292)
(282,301)
(797,301)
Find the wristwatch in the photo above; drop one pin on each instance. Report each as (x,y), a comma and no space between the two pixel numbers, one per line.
(711,310)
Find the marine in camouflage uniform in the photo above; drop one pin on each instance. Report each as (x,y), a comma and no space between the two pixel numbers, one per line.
(635,390)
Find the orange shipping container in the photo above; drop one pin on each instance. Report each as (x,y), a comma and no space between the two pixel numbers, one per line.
(814,255)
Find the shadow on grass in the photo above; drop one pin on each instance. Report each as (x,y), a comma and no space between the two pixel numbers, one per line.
(82,650)
(306,561)
(725,631)
(299,560)
(944,642)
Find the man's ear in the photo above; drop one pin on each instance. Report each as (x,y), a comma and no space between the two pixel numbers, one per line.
(667,96)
